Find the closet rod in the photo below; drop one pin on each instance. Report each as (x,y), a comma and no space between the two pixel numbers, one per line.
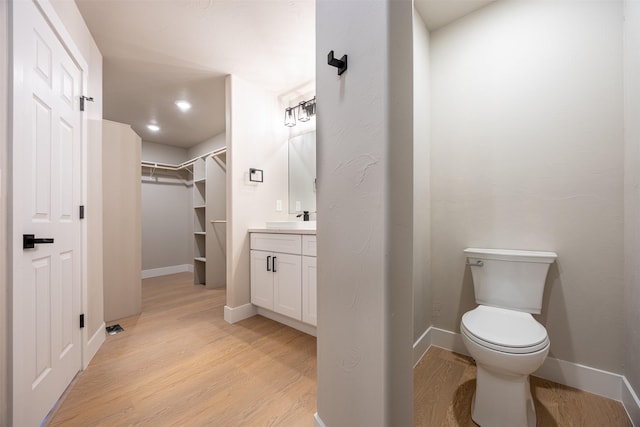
(184,165)
(218,152)
(218,221)
(145,164)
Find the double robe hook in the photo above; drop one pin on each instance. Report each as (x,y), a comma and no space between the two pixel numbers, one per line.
(340,64)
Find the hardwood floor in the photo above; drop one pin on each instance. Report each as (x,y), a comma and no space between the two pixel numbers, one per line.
(180,364)
(444,383)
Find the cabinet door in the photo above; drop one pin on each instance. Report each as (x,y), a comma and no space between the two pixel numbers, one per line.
(261,279)
(287,285)
(309,289)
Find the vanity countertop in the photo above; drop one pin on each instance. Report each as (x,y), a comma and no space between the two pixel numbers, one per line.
(282,230)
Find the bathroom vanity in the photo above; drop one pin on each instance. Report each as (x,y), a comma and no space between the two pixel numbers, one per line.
(283,276)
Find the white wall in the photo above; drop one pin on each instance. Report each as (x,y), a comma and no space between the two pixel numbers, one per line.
(527,153)
(365,206)
(5,309)
(122,221)
(421,180)
(211,144)
(632,191)
(167,209)
(255,139)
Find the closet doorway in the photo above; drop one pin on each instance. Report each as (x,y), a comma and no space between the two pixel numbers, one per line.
(184,212)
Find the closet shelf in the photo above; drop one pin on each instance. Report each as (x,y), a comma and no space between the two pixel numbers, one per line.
(200,181)
(201,259)
(199,207)
(200,233)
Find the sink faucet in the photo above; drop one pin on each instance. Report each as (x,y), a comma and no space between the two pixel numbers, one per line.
(304,215)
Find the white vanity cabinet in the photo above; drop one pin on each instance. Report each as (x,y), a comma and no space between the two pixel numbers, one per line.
(309,280)
(283,274)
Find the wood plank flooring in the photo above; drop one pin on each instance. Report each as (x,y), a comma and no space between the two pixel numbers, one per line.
(444,383)
(180,364)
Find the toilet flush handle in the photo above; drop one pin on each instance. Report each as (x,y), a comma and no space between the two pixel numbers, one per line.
(474,264)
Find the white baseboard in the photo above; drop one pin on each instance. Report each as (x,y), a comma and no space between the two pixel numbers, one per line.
(93,345)
(631,402)
(582,377)
(421,346)
(292,323)
(596,381)
(448,340)
(236,314)
(317,422)
(163,271)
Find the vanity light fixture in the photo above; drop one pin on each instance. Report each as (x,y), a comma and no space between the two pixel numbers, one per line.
(153,128)
(304,110)
(303,115)
(289,117)
(183,105)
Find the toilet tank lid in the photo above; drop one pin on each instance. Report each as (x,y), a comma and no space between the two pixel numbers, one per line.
(511,255)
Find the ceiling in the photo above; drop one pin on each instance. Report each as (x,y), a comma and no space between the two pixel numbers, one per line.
(438,13)
(158,51)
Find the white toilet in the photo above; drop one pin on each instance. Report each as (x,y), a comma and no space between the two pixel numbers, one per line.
(502,336)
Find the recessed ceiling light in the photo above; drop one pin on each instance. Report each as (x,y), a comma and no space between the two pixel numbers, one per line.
(183,105)
(153,128)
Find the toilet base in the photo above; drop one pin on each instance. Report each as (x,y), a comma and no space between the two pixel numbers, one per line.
(502,400)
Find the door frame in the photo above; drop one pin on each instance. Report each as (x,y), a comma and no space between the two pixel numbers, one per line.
(15,196)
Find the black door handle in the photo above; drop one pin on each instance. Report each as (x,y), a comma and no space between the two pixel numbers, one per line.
(273,264)
(29,241)
(268,261)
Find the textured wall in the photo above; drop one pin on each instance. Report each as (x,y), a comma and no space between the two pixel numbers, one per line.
(527,153)
(365,213)
(5,312)
(421,180)
(255,139)
(167,210)
(122,221)
(632,190)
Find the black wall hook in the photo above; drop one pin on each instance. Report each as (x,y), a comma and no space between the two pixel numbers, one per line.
(340,64)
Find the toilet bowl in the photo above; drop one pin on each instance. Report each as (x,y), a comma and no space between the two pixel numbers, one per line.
(507,343)
(507,346)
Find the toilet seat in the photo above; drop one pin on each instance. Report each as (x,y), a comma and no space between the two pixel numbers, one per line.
(503,330)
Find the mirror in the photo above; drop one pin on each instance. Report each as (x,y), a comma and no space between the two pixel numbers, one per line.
(302,173)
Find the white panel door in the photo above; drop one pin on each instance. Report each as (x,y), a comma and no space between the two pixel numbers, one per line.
(287,290)
(309,290)
(47,161)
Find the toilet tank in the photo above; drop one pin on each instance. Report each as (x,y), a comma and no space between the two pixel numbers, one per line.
(507,278)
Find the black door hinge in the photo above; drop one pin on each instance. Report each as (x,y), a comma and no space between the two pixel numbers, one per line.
(81,211)
(84,98)
(82,321)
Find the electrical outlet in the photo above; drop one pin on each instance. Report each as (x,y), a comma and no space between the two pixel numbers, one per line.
(298,206)
(279,205)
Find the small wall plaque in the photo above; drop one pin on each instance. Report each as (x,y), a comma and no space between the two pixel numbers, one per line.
(255,175)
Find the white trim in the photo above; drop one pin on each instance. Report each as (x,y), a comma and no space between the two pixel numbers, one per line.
(236,314)
(582,377)
(93,345)
(317,421)
(292,323)
(596,381)
(421,346)
(164,271)
(631,402)
(448,340)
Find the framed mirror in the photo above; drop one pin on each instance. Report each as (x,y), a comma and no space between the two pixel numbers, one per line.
(302,173)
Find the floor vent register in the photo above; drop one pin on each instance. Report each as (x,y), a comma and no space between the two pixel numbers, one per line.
(114,329)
